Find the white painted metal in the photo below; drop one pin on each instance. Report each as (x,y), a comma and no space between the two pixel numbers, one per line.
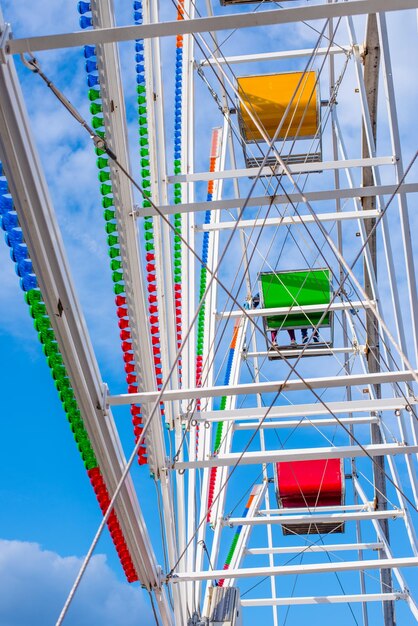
(185,518)
(361,597)
(334,547)
(275,386)
(302,168)
(26,181)
(303,422)
(295,198)
(287,220)
(314,518)
(306,410)
(302,454)
(288,570)
(310,308)
(201,25)
(272,56)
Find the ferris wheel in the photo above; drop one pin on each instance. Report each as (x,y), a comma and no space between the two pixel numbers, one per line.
(262,261)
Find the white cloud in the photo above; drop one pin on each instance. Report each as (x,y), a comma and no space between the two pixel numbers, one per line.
(35,584)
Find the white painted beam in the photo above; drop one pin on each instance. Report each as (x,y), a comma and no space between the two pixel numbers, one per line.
(333,547)
(277,170)
(294,198)
(361,597)
(313,519)
(205,24)
(302,422)
(306,410)
(299,454)
(289,220)
(43,237)
(274,56)
(291,570)
(350,380)
(308,308)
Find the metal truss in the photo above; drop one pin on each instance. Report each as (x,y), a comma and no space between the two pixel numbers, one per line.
(231,417)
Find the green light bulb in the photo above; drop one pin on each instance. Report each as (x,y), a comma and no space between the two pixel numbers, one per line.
(102,163)
(104,176)
(105,190)
(112,240)
(97,122)
(111,228)
(32,296)
(114,252)
(95,108)
(93,95)
(117,277)
(107,202)
(108,215)
(118,289)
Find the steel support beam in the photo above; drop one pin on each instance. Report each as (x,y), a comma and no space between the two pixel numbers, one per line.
(269,387)
(309,308)
(291,601)
(37,219)
(313,518)
(295,198)
(306,410)
(302,168)
(300,454)
(206,24)
(274,56)
(292,570)
(334,547)
(287,220)
(303,422)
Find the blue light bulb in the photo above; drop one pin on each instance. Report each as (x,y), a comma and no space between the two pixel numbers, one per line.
(86,22)
(19,252)
(89,51)
(14,237)
(92,80)
(6,203)
(83,7)
(91,66)
(24,267)
(28,282)
(9,220)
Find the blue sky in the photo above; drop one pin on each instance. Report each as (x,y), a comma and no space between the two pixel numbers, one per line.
(49,513)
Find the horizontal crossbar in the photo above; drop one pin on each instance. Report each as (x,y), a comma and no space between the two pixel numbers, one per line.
(291,220)
(361,597)
(307,308)
(278,170)
(294,198)
(314,518)
(306,410)
(291,570)
(298,454)
(334,547)
(267,387)
(205,24)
